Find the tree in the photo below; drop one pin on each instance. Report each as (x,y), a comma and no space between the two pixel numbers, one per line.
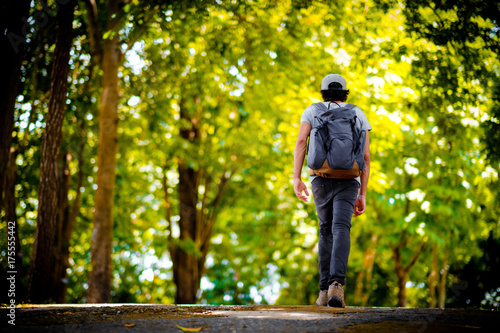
(109,56)
(462,35)
(471,288)
(41,275)
(210,123)
(67,212)
(12,41)
(107,52)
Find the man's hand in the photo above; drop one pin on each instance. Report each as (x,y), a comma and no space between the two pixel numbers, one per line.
(298,187)
(359,206)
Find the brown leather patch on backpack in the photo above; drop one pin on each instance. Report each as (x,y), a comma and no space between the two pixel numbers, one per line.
(327,172)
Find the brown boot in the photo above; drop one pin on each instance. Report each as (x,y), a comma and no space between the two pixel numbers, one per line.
(323,298)
(336,295)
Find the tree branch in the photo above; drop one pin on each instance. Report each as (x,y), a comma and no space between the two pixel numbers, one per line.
(75,208)
(202,217)
(414,258)
(215,205)
(136,34)
(397,259)
(93,30)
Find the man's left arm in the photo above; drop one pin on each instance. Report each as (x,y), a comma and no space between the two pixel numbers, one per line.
(359,207)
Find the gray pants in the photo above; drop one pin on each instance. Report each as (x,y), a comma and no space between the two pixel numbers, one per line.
(334,200)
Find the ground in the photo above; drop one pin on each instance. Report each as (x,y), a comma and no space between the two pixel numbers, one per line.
(258,318)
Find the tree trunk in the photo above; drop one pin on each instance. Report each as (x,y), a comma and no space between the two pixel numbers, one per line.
(12,45)
(433,278)
(363,286)
(60,262)
(197,216)
(190,251)
(196,225)
(402,270)
(402,278)
(442,280)
(68,224)
(186,273)
(437,279)
(368,286)
(41,276)
(100,274)
(360,283)
(67,215)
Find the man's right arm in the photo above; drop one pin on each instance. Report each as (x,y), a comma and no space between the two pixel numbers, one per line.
(298,159)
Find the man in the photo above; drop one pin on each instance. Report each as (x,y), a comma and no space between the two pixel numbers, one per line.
(335,199)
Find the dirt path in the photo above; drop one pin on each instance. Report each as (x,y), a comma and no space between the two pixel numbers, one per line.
(172,318)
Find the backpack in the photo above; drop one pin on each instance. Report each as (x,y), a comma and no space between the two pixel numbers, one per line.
(336,145)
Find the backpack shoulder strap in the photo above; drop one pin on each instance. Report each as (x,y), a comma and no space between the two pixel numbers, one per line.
(320,107)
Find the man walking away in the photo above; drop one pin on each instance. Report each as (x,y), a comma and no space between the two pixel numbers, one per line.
(339,192)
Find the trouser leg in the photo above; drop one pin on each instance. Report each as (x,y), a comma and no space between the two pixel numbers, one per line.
(323,194)
(344,200)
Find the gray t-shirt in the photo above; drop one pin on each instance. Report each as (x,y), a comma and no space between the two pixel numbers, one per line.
(362,121)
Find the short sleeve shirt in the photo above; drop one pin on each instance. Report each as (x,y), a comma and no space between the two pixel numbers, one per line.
(362,121)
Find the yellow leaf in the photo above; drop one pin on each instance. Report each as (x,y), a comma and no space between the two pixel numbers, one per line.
(129,325)
(187,329)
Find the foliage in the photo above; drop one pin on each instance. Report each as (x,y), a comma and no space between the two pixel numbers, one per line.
(426,75)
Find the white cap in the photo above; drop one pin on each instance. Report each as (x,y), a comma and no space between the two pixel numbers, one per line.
(333,78)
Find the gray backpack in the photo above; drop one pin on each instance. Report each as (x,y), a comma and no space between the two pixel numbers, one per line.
(336,145)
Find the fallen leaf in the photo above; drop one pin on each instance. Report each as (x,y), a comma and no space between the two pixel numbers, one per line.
(129,325)
(187,329)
